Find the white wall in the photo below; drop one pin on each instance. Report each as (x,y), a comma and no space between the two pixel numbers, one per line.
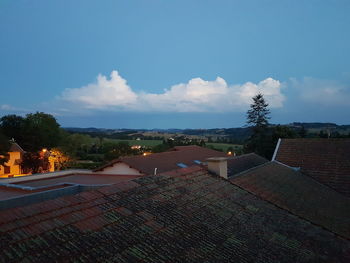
(120,168)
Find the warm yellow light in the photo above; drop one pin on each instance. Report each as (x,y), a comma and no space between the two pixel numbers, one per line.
(44,150)
(229,153)
(144,154)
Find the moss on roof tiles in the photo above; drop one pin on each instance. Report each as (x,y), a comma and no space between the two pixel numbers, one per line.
(205,219)
(325,160)
(299,194)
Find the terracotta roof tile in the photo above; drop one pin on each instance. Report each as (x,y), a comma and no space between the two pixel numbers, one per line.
(167,161)
(241,163)
(182,216)
(325,160)
(299,194)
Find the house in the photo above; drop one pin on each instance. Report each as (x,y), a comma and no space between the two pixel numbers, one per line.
(179,156)
(325,160)
(184,215)
(13,165)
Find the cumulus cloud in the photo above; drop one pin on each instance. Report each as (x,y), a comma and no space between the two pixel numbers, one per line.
(104,93)
(197,95)
(321,91)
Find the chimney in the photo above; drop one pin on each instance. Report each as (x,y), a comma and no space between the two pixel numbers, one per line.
(218,165)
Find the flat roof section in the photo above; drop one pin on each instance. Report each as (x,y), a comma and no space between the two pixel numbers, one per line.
(12,192)
(82,179)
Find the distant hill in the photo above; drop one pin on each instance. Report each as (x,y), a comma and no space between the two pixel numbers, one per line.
(314,125)
(235,135)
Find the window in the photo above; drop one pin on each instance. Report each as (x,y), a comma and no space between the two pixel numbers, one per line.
(182,165)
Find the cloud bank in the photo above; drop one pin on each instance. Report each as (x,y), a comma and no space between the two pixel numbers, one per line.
(321,91)
(197,95)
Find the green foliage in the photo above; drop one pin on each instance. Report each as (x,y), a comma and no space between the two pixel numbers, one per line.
(145,143)
(34,132)
(161,148)
(302,132)
(258,115)
(264,142)
(4,146)
(115,151)
(79,165)
(225,147)
(12,126)
(32,162)
(41,130)
(76,145)
(264,138)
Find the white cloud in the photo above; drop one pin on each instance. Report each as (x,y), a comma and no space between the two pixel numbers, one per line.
(321,91)
(6,107)
(197,95)
(105,93)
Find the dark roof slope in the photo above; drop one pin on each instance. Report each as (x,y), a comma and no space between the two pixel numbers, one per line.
(299,194)
(167,161)
(182,216)
(15,148)
(243,162)
(326,160)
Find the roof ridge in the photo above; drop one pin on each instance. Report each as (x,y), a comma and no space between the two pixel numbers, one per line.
(249,170)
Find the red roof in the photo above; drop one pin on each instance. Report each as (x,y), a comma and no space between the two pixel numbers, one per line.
(299,194)
(169,160)
(181,216)
(325,160)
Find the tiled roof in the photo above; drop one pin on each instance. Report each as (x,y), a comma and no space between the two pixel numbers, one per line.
(238,164)
(181,216)
(299,194)
(16,148)
(326,160)
(169,160)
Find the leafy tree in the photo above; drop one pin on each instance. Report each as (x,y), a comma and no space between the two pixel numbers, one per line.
(76,145)
(302,132)
(41,130)
(12,126)
(118,150)
(4,146)
(32,162)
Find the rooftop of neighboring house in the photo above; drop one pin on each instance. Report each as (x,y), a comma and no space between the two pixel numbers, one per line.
(79,178)
(325,160)
(238,164)
(299,194)
(15,148)
(33,187)
(179,156)
(185,215)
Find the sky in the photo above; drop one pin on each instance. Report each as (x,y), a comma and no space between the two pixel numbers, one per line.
(175,64)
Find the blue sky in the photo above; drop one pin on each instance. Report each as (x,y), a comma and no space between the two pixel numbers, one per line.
(178,64)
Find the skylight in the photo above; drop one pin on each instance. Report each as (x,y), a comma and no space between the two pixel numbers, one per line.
(182,165)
